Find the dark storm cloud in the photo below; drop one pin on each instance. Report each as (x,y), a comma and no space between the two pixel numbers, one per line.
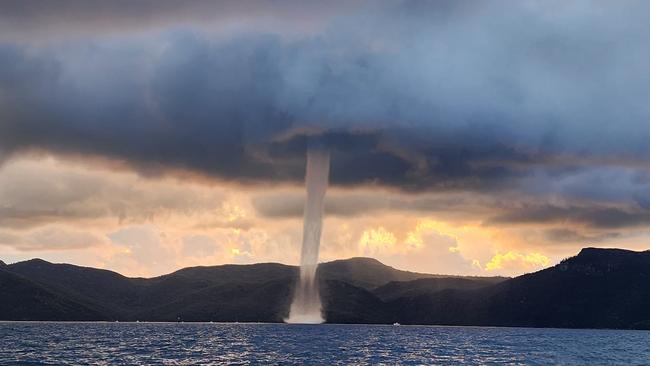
(355,204)
(563,235)
(217,111)
(591,217)
(442,95)
(33,195)
(50,238)
(38,20)
(24,218)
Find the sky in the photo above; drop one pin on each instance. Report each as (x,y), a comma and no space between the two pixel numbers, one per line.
(471,138)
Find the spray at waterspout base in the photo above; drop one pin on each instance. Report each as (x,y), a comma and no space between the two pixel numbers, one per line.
(306,305)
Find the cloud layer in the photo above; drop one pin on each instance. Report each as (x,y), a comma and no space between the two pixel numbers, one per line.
(415,95)
(525,116)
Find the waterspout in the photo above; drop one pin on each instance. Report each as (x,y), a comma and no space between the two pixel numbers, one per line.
(306,305)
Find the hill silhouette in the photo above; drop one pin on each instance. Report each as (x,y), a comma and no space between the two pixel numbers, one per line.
(598,288)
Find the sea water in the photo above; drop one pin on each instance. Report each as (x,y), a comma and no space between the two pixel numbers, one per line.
(51,343)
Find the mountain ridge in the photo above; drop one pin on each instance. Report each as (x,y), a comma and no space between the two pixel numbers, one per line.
(597,288)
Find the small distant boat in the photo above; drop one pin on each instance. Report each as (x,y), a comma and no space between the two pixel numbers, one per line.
(396,323)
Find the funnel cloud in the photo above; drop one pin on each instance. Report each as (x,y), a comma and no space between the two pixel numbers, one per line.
(306,305)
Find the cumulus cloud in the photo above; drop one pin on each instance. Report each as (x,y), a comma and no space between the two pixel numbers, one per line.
(420,248)
(199,246)
(514,262)
(51,238)
(34,20)
(564,235)
(590,216)
(347,204)
(42,191)
(145,246)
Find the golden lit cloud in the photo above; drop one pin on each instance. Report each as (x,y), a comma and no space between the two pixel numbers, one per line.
(66,211)
(513,261)
(375,241)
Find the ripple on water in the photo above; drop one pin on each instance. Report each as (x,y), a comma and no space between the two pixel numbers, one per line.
(245,344)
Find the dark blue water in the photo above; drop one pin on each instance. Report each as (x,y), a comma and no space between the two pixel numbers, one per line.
(262,344)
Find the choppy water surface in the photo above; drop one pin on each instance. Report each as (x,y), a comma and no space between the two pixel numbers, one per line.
(250,344)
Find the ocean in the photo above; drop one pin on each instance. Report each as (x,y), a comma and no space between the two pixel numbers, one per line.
(54,343)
